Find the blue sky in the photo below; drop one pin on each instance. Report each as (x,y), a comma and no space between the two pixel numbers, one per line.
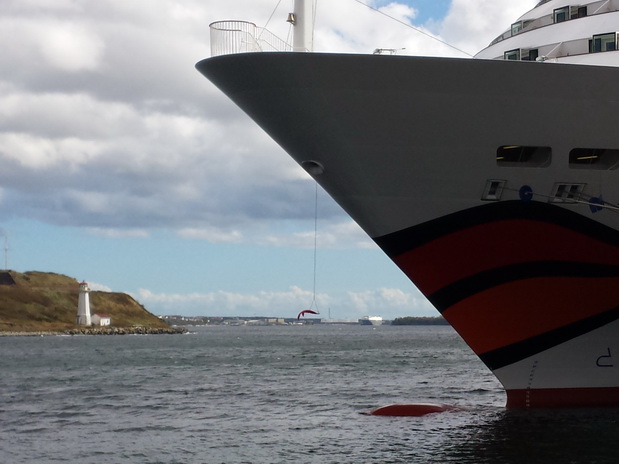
(124,167)
(426,9)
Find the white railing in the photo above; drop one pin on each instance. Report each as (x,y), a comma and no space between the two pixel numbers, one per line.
(594,8)
(229,37)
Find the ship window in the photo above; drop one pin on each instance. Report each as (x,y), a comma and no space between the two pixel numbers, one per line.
(530,55)
(578,12)
(516,27)
(561,14)
(512,54)
(567,193)
(604,42)
(594,158)
(523,156)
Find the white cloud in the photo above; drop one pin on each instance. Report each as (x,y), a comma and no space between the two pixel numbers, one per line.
(120,131)
(371,302)
(223,303)
(386,302)
(70,47)
(329,235)
(99,287)
(346,234)
(472,25)
(211,234)
(118,233)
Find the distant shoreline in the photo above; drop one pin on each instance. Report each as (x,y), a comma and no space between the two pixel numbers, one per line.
(99,331)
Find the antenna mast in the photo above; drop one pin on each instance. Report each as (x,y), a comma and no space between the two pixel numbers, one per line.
(302,19)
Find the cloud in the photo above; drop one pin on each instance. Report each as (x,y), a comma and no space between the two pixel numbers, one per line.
(230,303)
(70,47)
(371,302)
(387,302)
(99,287)
(119,233)
(466,28)
(105,124)
(346,234)
(213,235)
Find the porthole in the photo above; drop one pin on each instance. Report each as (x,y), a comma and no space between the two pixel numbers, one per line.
(594,158)
(523,156)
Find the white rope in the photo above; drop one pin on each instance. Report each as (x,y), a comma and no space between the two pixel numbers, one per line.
(270,17)
(414,28)
(315,243)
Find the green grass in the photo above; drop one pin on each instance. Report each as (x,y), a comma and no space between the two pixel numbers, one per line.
(45,301)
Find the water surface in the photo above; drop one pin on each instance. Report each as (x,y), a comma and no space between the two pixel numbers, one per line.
(274,395)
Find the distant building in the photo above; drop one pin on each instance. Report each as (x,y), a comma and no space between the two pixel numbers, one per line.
(339,321)
(101,319)
(83,305)
(371,320)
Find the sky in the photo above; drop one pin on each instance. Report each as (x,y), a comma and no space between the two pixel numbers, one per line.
(122,166)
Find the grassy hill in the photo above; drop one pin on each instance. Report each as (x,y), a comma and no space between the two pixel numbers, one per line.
(43,301)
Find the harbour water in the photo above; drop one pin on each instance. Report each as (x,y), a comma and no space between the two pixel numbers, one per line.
(274,394)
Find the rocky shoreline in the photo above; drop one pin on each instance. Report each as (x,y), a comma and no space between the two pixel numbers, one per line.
(102,331)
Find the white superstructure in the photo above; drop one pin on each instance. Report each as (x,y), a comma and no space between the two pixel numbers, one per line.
(559,31)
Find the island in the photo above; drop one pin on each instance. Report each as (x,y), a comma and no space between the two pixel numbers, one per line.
(40,303)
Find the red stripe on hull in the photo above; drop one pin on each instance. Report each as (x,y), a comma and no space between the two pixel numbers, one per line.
(481,248)
(519,310)
(563,398)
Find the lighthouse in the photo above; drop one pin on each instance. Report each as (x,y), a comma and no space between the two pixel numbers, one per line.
(83,305)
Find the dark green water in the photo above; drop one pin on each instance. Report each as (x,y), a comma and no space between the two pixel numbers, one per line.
(290,394)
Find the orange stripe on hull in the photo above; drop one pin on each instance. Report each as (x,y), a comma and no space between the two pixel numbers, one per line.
(519,310)
(563,397)
(489,246)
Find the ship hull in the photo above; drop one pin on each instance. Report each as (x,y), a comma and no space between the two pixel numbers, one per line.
(408,147)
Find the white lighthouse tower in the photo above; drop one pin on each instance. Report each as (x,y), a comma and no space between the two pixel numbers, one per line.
(83,305)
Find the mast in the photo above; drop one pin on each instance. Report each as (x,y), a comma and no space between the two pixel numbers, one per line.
(302,18)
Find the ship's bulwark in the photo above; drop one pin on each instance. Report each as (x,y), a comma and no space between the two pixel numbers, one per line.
(408,144)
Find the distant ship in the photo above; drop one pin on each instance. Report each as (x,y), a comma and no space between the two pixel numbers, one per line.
(371,320)
(491,182)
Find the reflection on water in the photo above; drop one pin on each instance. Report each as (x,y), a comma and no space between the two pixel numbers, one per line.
(545,436)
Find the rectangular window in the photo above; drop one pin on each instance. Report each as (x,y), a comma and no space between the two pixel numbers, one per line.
(530,55)
(604,42)
(516,27)
(512,54)
(561,14)
(594,158)
(578,12)
(493,190)
(523,156)
(567,193)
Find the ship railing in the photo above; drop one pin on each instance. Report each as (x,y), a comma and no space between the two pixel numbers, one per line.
(228,37)
(553,51)
(594,8)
